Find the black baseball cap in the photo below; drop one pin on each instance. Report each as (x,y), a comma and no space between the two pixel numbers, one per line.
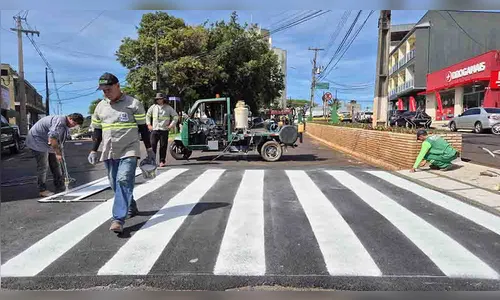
(107,79)
(421,132)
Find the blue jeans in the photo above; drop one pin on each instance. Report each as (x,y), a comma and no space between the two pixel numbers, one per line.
(121,175)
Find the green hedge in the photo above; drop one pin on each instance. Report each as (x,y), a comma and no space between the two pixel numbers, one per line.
(368,126)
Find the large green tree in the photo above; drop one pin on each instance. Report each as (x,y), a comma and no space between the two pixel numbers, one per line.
(200,61)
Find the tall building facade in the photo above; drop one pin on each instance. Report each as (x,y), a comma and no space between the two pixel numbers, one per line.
(10,108)
(281,53)
(444,62)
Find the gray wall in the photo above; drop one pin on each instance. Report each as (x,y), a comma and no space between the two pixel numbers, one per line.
(450,45)
(421,56)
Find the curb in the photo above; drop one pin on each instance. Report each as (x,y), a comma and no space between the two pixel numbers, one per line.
(491,209)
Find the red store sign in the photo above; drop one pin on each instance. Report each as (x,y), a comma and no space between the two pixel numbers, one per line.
(495,80)
(477,68)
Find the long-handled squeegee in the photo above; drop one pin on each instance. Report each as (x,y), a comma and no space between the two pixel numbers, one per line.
(67,179)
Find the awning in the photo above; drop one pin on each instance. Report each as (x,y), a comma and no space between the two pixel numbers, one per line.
(466,82)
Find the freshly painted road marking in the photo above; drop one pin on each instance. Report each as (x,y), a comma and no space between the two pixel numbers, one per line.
(242,250)
(474,214)
(342,251)
(44,252)
(451,257)
(140,253)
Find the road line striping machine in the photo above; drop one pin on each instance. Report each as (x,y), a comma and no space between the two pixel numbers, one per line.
(210,126)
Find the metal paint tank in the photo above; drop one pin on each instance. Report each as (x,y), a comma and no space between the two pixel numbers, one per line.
(241,115)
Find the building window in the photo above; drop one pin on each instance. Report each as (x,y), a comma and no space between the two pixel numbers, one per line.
(473,96)
(448,101)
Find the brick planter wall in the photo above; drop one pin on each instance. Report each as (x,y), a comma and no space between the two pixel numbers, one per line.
(394,151)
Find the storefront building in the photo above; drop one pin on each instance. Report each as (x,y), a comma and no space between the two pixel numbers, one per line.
(470,83)
(422,54)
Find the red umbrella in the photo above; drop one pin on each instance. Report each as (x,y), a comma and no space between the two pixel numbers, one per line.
(439,103)
(400,104)
(413,104)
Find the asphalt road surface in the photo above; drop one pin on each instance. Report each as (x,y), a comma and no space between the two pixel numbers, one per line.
(326,222)
(471,143)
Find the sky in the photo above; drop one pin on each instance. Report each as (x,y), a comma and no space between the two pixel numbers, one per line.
(80,46)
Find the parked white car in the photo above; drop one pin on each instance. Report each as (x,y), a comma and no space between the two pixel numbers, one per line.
(477,119)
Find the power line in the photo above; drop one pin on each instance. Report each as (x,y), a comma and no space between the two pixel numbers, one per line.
(463,30)
(336,33)
(300,21)
(350,43)
(81,29)
(339,48)
(286,18)
(75,51)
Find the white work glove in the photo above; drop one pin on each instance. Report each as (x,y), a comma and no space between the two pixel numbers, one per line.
(93,158)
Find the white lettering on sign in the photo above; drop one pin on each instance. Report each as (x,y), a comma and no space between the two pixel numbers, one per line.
(480,67)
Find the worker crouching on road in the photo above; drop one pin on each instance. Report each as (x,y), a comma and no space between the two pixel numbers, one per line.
(435,150)
(164,118)
(117,121)
(45,139)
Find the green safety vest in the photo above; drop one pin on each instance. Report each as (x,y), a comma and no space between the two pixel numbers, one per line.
(440,146)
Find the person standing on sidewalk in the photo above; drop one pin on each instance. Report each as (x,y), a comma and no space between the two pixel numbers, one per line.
(45,139)
(436,150)
(117,121)
(164,118)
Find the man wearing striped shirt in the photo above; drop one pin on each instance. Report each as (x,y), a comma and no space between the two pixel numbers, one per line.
(164,118)
(117,121)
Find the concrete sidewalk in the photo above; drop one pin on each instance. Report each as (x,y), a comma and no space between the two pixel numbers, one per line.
(465,180)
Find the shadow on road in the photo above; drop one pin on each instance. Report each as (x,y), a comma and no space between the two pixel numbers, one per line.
(170,213)
(239,157)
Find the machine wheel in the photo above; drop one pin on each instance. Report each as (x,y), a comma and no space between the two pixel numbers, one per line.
(271,151)
(179,152)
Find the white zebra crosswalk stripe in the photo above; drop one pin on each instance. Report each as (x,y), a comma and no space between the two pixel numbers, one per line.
(139,254)
(242,250)
(343,252)
(451,257)
(41,254)
(254,235)
(474,214)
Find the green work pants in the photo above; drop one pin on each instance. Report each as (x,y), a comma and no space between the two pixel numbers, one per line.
(440,161)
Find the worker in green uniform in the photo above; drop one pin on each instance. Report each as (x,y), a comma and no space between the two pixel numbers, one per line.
(435,150)
(117,121)
(164,119)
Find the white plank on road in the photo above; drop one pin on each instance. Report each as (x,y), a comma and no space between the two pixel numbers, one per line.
(44,252)
(242,250)
(343,252)
(453,259)
(140,253)
(474,214)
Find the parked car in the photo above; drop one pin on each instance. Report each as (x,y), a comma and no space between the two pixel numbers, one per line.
(395,115)
(11,138)
(410,119)
(477,119)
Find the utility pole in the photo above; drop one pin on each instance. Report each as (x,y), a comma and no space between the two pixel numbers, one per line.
(156,64)
(381,82)
(23,128)
(47,109)
(313,83)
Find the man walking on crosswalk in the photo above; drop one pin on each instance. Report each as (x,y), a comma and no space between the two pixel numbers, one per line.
(164,118)
(117,121)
